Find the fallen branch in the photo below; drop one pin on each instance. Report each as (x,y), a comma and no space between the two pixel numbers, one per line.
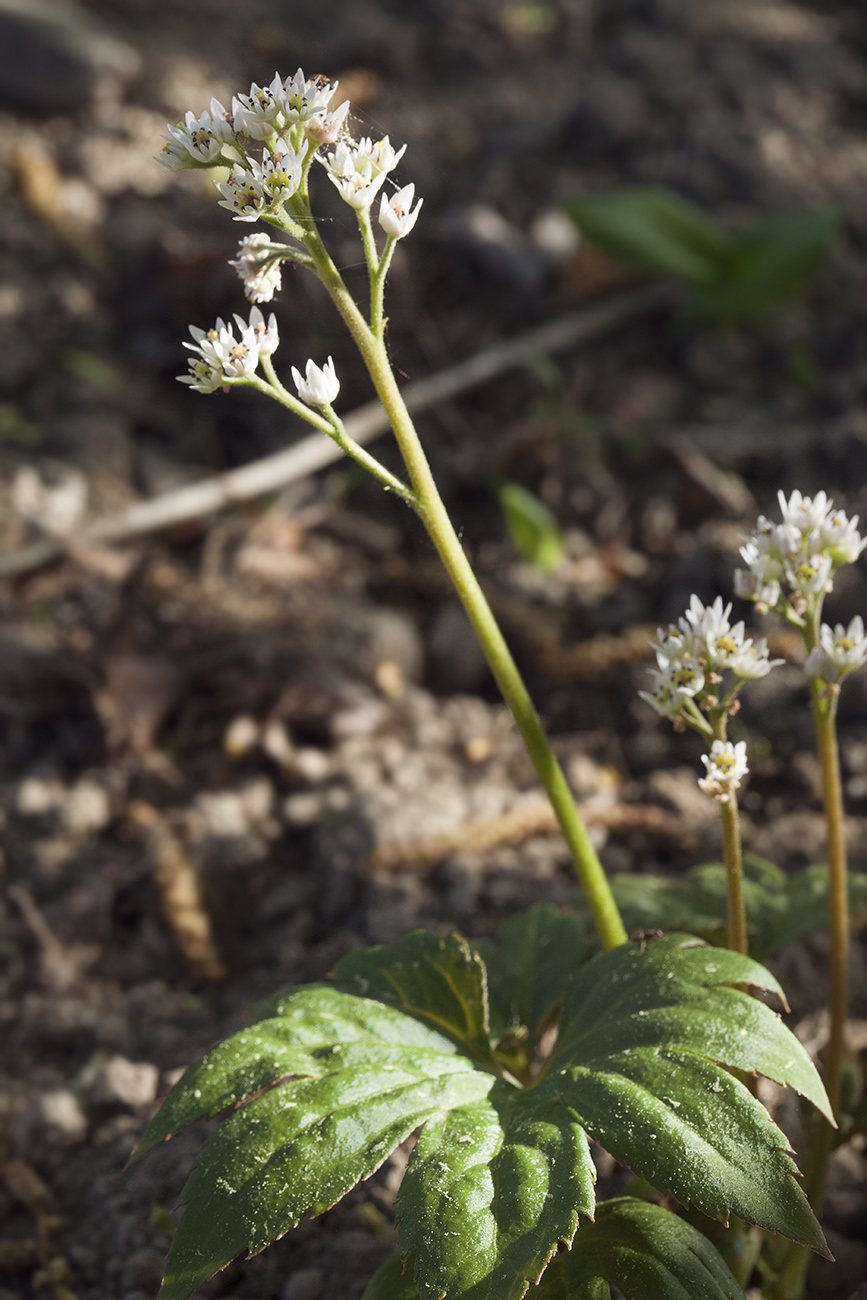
(364,424)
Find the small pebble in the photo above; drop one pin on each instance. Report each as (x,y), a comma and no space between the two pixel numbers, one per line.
(126,1083)
(303,1284)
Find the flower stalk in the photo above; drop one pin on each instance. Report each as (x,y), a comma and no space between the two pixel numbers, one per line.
(291,121)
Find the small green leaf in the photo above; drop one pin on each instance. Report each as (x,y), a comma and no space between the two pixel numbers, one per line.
(766,263)
(643,1033)
(361,1077)
(438,981)
(653,229)
(528,968)
(533,529)
(647,1252)
(491,1190)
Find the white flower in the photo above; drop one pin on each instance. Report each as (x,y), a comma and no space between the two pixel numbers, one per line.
(259,271)
(321,385)
(674,682)
(840,651)
(751,586)
(359,170)
(325,128)
(219,357)
(266,336)
(198,141)
(260,114)
(266,185)
(394,213)
(726,767)
(302,100)
(840,536)
(804,513)
(809,575)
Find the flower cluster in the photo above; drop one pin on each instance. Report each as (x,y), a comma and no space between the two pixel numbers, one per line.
(267,113)
(259,267)
(692,656)
(359,169)
(839,652)
(726,767)
(263,187)
(800,553)
(219,357)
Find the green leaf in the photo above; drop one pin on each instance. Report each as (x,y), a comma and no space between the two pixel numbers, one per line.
(653,229)
(780,909)
(528,968)
(646,1251)
(329,1082)
(362,1077)
(439,981)
(643,1033)
(490,1191)
(533,529)
(393,1280)
(766,263)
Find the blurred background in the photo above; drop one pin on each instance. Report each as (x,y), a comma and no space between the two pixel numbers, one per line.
(239,746)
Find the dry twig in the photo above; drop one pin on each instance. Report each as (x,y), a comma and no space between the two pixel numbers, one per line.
(272,473)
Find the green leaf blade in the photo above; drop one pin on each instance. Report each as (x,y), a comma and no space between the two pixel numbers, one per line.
(528,970)
(363,1076)
(491,1190)
(693,1130)
(440,982)
(308,1023)
(644,1033)
(644,1250)
(654,229)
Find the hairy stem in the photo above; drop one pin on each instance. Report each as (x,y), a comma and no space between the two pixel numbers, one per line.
(439,526)
(737,917)
(791,1280)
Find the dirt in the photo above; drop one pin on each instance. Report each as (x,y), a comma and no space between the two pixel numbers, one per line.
(282,706)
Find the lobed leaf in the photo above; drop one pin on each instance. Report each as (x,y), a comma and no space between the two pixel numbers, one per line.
(644,1031)
(647,1252)
(364,1077)
(440,982)
(330,1081)
(491,1190)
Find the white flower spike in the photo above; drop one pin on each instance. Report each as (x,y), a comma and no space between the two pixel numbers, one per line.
(726,767)
(320,386)
(395,216)
(802,552)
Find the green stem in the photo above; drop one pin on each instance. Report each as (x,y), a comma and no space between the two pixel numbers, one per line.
(331,424)
(439,526)
(736,912)
(791,1280)
(825,717)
